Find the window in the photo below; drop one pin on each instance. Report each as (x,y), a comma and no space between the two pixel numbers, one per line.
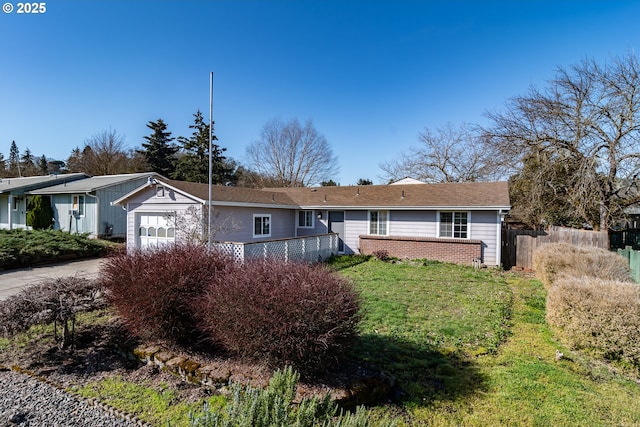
(305,219)
(454,224)
(15,202)
(159,191)
(378,222)
(78,204)
(262,226)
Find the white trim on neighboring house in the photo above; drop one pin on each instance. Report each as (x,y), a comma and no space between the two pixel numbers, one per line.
(453,212)
(269,225)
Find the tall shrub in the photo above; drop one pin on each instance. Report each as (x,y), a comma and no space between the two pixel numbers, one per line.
(281,313)
(39,213)
(599,316)
(154,290)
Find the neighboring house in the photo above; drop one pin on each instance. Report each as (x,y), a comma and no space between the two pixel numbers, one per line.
(14,196)
(84,206)
(455,222)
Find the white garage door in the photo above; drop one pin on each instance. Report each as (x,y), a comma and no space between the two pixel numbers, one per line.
(155,230)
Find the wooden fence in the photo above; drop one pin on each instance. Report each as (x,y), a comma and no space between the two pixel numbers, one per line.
(518,245)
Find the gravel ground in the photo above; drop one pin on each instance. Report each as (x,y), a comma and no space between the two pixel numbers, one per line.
(27,401)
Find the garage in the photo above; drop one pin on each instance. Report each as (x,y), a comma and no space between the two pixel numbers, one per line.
(155,229)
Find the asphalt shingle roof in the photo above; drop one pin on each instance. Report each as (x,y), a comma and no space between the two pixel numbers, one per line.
(447,195)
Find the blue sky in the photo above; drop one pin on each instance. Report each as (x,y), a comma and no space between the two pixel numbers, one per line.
(370,74)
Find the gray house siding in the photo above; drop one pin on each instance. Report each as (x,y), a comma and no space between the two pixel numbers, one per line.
(114,216)
(237,223)
(13,218)
(65,220)
(486,226)
(355,224)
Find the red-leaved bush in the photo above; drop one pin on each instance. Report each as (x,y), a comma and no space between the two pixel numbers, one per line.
(154,291)
(281,313)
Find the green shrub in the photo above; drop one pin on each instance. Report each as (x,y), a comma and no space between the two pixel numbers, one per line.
(20,248)
(281,313)
(39,213)
(556,260)
(154,291)
(599,316)
(274,407)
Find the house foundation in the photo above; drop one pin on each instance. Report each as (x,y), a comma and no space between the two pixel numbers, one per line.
(459,251)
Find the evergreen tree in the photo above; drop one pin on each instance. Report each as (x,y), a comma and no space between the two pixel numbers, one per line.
(158,151)
(43,165)
(3,166)
(27,163)
(39,213)
(193,162)
(14,160)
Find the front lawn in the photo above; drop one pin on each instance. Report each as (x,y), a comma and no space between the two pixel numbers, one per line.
(467,347)
(471,347)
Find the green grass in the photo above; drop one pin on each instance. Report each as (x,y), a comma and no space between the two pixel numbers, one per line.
(472,348)
(468,348)
(155,405)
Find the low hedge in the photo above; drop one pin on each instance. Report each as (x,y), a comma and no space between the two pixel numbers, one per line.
(601,317)
(556,260)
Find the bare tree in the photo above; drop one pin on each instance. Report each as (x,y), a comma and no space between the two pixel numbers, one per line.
(292,155)
(191,224)
(103,154)
(589,118)
(448,154)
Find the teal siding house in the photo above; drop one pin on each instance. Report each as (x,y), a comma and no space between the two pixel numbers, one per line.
(15,196)
(84,206)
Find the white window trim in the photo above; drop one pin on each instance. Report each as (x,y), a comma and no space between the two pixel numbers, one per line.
(84,204)
(451,237)
(253,226)
(312,219)
(369,222)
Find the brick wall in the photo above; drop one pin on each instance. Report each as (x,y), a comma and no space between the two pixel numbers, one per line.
(459,251)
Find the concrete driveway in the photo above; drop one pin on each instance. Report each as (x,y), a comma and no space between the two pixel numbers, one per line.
(12,281)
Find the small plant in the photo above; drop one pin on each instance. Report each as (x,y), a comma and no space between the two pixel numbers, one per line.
(381,254)
(56,301)
(274,407)
(154,291)
(282,313)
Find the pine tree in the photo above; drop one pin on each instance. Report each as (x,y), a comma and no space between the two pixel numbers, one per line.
(14,160)
(27,163)
(158,151)
(193,163)
(43,165)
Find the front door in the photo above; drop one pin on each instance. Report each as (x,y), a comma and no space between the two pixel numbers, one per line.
(336,225)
